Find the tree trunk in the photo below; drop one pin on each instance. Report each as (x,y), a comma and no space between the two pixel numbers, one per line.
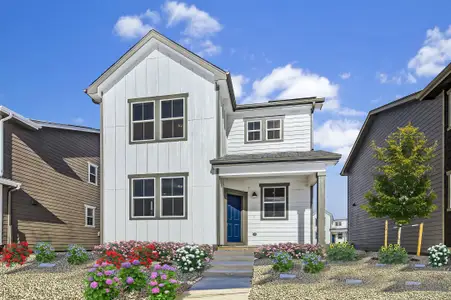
(399,234)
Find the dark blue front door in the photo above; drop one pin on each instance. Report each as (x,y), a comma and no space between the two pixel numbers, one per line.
(233,219)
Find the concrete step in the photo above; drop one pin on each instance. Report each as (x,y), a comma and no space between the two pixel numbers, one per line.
(238,248)
(219,283)
(233,253)
(216,294)
(228,272)
(237,264)
(247,258)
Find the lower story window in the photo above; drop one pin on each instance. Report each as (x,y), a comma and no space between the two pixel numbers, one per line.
(158,196)
(143,200)
(90,216)
(340,235)
(274,201)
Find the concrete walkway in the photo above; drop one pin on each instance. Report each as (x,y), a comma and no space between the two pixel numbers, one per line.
(229,276)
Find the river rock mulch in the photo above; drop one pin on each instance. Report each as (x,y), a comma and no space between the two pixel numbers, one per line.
(64,281)
(378,282)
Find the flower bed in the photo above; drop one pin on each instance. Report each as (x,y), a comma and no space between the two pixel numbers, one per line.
(295,250)
(166,250)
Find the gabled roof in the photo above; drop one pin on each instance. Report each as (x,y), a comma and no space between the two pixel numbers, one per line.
(66,126)
(367,124)
(5,112)
(288,156)
(93,92)
(317,102)
(441,82)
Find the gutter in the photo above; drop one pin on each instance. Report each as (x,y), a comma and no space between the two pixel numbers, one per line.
(9,232)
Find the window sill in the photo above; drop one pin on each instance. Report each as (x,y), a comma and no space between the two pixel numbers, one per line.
(448,209)
(158,219)
(89,226)
(159,141)
(95,184)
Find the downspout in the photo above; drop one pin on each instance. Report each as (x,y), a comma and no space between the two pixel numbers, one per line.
(9,233)
(2,121)
(218,154)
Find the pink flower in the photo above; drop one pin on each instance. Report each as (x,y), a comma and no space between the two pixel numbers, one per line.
(94,284)
(109,281)
(153,283)
(155,290)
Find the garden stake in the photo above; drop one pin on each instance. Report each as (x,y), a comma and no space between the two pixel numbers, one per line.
(386,233)
(420,239)
(399,235)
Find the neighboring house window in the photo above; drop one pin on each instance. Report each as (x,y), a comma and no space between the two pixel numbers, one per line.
(143,121)
(340,236)
(93,173)
(274,201)
(172,118)
(158,196)
(273,129)
(143,197)
(172,196)
(90,216)
(337,223)
(254,131)
(158,119)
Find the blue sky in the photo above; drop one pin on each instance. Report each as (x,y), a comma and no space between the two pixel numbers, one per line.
(359,55)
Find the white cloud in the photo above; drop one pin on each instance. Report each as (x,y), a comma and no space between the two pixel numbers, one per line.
(78,120)
(133,26)
(198,22)
(434,55)
(345,75)
(290,82)
(350,112)
(209,49)
(399,77)
(238,82)
(337,135)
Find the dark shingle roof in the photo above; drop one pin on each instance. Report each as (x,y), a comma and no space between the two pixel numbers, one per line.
(314,155)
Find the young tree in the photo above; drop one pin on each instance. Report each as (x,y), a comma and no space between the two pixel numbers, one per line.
(402,189)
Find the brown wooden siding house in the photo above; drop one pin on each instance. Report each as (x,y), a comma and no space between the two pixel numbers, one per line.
(429,110)
(50,182)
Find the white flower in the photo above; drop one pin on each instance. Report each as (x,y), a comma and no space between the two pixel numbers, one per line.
(191,269)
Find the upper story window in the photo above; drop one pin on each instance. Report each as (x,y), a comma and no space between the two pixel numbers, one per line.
(143,121)
(158,119)
(274,129)
(254,131)
(268,129)
(337,223)
(93,173)
(172,118)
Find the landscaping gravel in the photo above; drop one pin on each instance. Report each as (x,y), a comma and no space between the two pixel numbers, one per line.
(378,283)
(64,281)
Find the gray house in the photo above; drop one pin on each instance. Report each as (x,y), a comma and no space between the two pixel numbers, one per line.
(429,110)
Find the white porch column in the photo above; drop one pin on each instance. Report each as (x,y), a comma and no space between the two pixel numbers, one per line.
(321,207)
(1,213)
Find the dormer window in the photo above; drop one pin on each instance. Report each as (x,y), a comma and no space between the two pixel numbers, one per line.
(254,131)
(265,129)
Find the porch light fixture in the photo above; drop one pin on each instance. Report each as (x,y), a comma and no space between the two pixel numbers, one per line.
(254,195)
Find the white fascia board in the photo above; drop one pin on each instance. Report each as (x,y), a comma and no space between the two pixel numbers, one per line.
(272,169)
(9,182)
(21,119)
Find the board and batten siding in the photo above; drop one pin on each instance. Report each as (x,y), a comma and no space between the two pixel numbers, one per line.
(52,166)
(275,231)
(296,134)
(368,233)
(159,75)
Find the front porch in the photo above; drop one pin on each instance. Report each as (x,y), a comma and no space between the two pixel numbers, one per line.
(270,202)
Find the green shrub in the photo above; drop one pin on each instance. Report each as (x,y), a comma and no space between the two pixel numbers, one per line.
(44,251)
(438,255)
(393,254)
(312,263)
(76,255)
(341,252)
(283,262)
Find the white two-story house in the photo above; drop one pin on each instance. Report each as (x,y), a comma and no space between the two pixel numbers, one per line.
(182,161)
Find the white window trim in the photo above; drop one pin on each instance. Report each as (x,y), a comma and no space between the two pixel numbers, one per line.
(274,129)
(175,118)
(253,130)
(90,164)
(142,121)
(284,206)
(178,196)
(93,216)
(144,197)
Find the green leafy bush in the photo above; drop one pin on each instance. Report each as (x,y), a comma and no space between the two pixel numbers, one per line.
(312,263)
(190,258)
(76,255)
(438,255)
(132,277)
(341,252)
(44,251)
(101,282)
(393,254)
(163,285)
(283,262)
